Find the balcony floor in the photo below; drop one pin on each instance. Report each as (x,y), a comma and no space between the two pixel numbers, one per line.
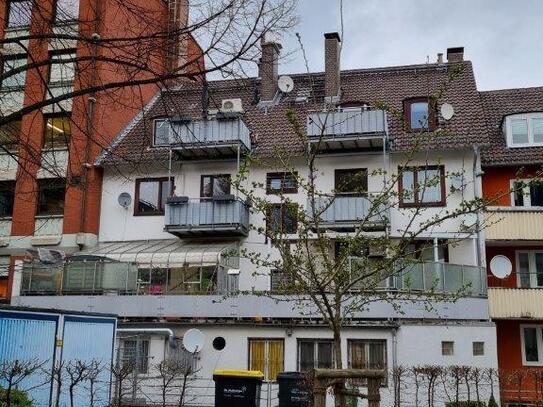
(207,231)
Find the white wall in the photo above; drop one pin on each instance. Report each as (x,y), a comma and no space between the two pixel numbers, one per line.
(417,345)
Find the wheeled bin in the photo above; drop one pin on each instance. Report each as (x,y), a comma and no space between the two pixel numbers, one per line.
(293,390)
(237,388)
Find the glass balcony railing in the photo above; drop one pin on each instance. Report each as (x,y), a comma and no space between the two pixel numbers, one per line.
(439,277)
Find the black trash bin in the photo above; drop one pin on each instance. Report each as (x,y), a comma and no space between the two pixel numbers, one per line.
(293,390)
(237,388)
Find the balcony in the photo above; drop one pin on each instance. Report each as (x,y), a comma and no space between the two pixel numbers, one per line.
(107,277)
(514,223)
(437,277)
(362,130)
(220,138)
(224,216)
(347,212)
(515,303)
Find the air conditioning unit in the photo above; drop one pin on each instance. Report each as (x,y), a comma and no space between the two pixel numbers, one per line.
(232,106)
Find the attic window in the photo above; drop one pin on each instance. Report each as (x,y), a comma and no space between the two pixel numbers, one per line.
(524,130)
(161,133)
(419,114)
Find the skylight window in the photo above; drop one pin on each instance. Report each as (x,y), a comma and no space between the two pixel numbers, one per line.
(524,130)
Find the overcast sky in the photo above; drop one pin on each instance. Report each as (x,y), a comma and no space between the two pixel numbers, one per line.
(502,38)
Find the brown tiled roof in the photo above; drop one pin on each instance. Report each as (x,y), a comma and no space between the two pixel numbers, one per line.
(500,103)
(388,86)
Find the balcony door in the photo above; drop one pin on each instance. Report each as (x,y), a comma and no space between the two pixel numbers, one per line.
(213,186)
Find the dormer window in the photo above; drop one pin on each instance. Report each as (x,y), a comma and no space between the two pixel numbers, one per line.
(524,130)
(161,132)
(419,114)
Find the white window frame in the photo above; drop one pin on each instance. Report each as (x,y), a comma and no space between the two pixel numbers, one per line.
(527,199)
(531,267)
(166,121)
(507,128)
(539,336)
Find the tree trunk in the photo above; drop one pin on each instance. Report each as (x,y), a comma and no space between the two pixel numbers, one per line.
(338,362)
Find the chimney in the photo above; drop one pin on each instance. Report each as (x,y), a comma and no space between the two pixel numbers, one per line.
(455,54)
(268,68)
(440,58)
(332,48)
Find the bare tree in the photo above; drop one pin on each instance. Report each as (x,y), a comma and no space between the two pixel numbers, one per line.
(13,373)
(121,372)
(77,372)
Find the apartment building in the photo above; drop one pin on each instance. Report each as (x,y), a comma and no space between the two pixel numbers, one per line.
(511,181)
(172,220)
(51,191)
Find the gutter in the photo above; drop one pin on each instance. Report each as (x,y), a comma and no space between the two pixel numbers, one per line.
(162,331)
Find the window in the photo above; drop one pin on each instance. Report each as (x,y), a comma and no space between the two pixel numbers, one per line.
(161,131)
(280,281)
(530,269)
(351,181)
(186,360)
(524,130)
(367,354)
(7,196)
(215,185)
(57,131)
(9,136)
(19,13)
(527,192)
(314,354)
(4,267)
(66,10)
(282,182)
(478,348)
(61,71)
(447,348)
(419,114)
(16,80)
(422,186)
(136,353)
(51,196)
(151,195)
(532,341)
(267,356)
(282,219)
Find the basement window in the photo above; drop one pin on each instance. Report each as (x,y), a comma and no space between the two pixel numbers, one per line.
(524,130)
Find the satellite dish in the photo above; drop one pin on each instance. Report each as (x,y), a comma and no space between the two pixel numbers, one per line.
(285,84)
(500,266)
(124,199)
(447,111)
(193,340)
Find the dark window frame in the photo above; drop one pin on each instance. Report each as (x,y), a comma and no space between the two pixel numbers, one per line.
(3,187)
(340,171)
(60,182)
(58,146)
(283,205)
(416,192)
(315,341)
(12,57)
(213,177)
(160,181)
(350,341)
(8,7)
(12,146)
(432,114)
(283,177)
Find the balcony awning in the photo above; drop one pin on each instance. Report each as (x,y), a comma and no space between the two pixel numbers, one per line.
(164,253)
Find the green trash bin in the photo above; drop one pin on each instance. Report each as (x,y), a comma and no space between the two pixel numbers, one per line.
(237,388)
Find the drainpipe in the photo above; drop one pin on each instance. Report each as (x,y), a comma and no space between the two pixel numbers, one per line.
(478,186)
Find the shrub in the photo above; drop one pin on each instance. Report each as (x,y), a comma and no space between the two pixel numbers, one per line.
(18,398)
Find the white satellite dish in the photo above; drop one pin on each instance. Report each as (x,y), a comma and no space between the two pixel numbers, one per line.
(193,340)
(501,267)
(124,199)
(447,111)
(285,84)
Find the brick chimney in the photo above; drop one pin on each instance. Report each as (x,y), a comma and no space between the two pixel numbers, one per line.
(332,48)
(455,54)
(268,68)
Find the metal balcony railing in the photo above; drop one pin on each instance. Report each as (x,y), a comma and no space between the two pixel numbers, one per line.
(349,211)
(439,277)
(218,137)
(224,216)
(363,123)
